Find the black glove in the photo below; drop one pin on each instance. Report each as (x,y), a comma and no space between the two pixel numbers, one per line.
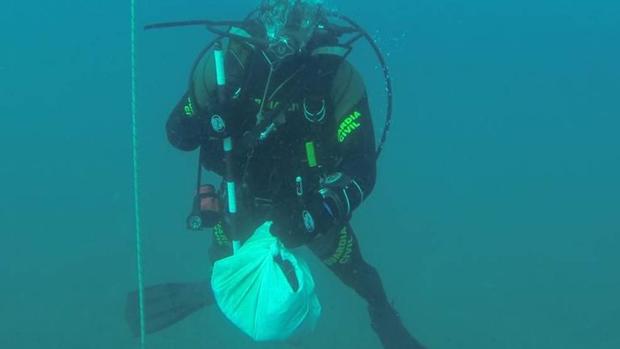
(284,225)
(330,206)
(296,225)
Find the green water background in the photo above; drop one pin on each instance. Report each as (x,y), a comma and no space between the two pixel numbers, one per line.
(495,222)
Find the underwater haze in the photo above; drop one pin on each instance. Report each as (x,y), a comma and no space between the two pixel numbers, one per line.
(495,221)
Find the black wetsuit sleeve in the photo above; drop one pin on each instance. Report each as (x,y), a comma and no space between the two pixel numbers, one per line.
(355,138)
(185,126)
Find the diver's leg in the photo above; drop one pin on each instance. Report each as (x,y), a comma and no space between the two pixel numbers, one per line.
(341,253)
(221,245)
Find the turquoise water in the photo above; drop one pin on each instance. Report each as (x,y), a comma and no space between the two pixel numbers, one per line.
(495,221)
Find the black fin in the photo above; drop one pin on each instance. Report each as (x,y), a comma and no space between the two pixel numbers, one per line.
(387,324)
(166,304)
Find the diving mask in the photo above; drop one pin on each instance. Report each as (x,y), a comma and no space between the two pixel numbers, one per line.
(289,24)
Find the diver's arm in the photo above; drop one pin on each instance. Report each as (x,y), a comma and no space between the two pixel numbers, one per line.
(356,144)
(351,180)
(186,126)
(354,177)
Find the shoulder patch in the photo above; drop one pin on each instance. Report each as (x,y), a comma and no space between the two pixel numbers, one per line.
(348,125)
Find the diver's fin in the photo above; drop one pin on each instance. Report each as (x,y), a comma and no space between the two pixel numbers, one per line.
(167,304)
(387,324)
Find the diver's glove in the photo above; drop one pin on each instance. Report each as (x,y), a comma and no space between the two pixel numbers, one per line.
(331,206)
(285,225)
(296,225)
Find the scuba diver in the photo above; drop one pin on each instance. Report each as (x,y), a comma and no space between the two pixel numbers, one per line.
(304,157)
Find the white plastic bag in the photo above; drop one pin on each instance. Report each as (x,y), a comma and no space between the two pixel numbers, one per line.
(253,292)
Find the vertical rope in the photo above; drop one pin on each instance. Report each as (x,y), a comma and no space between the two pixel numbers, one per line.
(136,191)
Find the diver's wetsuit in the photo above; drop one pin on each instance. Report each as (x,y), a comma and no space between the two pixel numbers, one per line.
(308,144)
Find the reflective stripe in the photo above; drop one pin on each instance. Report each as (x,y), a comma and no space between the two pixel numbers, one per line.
(219,67)
(232,199)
